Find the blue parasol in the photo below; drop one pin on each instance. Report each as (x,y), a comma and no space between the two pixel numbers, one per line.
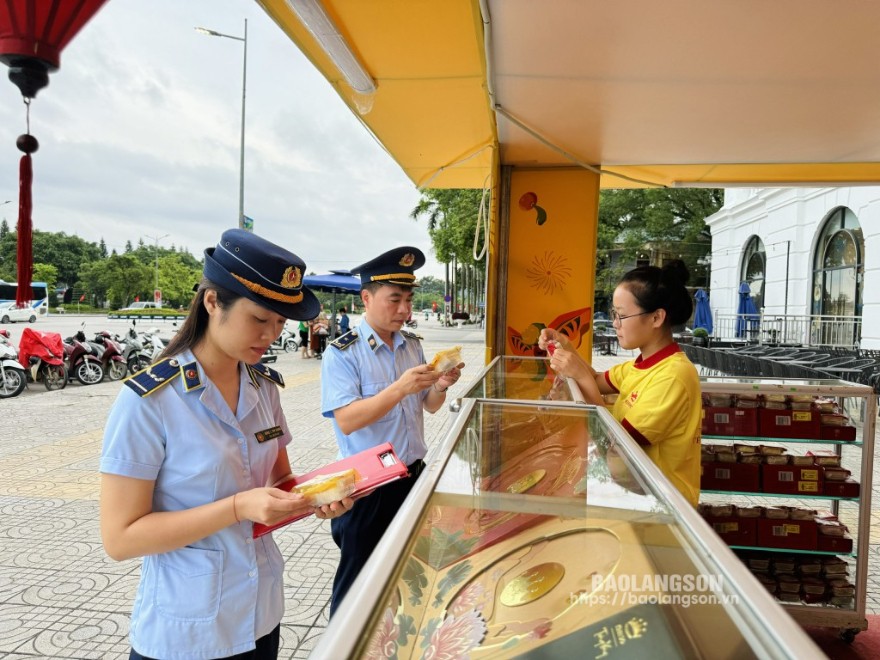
(334,282)
(747,318)
(703,314)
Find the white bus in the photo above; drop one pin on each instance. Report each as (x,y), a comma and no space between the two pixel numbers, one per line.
(38,300)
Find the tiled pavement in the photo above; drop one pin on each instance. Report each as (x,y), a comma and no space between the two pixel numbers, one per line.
(61,597)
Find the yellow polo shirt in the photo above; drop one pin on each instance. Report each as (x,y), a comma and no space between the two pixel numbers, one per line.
(659,404)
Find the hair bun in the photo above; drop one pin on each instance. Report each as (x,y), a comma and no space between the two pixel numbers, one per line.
(675,272)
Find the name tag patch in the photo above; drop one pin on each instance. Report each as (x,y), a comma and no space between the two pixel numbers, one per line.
(269,434)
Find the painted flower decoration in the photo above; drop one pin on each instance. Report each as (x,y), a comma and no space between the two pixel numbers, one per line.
(528,202)
(456,637)
(384,642)
(473,597)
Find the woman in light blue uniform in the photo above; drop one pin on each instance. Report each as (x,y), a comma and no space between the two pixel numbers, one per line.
(192,448)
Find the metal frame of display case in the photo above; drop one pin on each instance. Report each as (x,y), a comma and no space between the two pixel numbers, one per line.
(760,619)
(848,620)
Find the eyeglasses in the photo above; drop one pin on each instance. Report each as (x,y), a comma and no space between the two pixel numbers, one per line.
(619,318)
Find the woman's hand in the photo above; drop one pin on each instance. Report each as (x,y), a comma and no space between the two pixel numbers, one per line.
(334,509)
(566,362)
(269,505)
(549,334)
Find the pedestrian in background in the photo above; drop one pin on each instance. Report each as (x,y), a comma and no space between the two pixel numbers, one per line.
(344,323)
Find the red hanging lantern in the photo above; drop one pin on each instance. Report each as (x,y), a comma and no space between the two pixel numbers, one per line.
(32,35)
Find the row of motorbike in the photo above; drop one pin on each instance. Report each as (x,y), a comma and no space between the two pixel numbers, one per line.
(44,357)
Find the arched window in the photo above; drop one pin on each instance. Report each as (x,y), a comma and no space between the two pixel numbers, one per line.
(838,265)
(754,266)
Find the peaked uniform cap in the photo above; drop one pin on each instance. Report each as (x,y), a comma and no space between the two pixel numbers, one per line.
(396,266)
(263,272)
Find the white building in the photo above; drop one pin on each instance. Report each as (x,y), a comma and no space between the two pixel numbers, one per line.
(807,254)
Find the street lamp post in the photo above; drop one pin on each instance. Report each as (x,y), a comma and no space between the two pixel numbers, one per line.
(214,33)
(157,239)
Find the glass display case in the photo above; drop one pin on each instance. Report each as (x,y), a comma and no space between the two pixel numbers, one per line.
(540,529)
(787,471)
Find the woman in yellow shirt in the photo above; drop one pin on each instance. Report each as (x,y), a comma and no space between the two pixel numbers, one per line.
(659,400)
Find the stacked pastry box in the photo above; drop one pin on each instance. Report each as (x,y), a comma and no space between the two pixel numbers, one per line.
(802,416)
(754,468)
(782,527)
(802,578)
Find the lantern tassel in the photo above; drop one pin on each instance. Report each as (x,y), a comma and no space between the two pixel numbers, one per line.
(24,255)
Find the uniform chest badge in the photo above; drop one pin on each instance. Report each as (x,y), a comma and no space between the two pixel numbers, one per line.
(269,434)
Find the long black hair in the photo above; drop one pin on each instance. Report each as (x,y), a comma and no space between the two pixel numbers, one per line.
(662,288)
(196,324)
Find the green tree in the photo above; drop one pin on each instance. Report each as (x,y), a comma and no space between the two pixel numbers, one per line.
(66,253)
(452,220)
(49,274)
(118,279)
(176,280)
(671,220)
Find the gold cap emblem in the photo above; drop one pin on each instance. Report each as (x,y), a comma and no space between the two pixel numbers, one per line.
(292,278)
(408,260)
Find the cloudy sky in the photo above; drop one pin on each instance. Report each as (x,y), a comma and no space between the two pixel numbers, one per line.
(139,137)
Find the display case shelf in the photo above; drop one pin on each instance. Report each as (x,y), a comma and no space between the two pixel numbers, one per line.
(789,496)
(794,552)
(752,438)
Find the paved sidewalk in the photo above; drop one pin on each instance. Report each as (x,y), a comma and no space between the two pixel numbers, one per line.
(61,597)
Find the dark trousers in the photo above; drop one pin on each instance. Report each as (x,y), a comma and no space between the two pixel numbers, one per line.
(358,532)
(267,649)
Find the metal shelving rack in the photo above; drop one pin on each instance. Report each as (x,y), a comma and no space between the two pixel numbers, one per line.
(849,621)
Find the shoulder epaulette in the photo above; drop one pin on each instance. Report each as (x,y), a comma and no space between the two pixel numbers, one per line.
(154,377)
(345,340)
(267,373)
(410,335)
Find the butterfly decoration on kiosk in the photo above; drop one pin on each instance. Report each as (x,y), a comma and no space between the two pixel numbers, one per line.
(573,325)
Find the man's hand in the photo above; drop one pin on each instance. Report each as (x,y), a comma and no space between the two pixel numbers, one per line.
(334,509)
(417,379)
(450,378)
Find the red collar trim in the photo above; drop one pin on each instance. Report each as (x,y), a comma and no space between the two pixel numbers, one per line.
(659,356)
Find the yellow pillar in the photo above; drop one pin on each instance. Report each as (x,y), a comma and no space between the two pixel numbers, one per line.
(546,271)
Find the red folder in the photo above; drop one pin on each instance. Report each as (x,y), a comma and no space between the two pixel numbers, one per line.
(376,466)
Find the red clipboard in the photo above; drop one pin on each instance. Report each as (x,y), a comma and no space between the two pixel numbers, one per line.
(376,466)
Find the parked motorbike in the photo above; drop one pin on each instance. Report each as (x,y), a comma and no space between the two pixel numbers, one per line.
(132,349)
(81,360)
(12,375)
(110,354)
(42,353)
(287,341)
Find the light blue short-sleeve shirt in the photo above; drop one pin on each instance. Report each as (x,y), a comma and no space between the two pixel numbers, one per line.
(364,369)
(213,598)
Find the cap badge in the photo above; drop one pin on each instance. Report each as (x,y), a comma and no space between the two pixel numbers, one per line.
(408,260)
(292,278)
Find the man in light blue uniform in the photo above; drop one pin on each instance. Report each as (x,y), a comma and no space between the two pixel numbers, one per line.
(375,386)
